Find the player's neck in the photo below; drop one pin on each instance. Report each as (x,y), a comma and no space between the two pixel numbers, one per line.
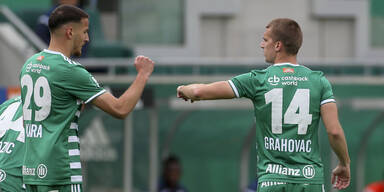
(59,46)
(285,59)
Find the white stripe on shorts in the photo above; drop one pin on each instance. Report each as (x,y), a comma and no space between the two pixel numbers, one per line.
(75,165)
(73,139)
(74,126)
(77,113)
(73,152)
(76,178)
(75,188)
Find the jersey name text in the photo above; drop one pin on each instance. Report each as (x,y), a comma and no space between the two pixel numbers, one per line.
(33,130)
(287,145)
(6,147)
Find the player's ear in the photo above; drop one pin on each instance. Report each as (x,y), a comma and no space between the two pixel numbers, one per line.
(68,31)
(278,46)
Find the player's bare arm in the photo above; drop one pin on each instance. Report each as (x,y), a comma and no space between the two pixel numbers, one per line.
(195,92)
(341,174)
(122,106)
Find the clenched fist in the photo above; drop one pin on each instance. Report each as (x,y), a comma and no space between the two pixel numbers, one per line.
(144,65)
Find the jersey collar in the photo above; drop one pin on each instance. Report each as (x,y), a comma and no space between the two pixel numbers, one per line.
(58,53)
(53,52)
(280,64)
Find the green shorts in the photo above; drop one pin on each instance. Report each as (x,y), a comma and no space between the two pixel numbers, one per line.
(273,186)
(10,182)
(55,188)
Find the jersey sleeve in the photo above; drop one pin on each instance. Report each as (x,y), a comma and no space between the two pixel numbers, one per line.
(242,85)
(81,84)
(326,93)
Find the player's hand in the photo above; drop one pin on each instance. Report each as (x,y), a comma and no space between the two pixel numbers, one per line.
(180,94)
(341,177)
(144,65)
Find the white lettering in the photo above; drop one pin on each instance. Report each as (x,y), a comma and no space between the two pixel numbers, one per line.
(28,171)
(284,145)
(277,145)
(6,147)
(291,145)
(34,131)
(308,146)
(297,144)
(271,141)
(274,80)
(279,169)
(9,150)
(289,83)
(284,172)
(302,147)
(287,145)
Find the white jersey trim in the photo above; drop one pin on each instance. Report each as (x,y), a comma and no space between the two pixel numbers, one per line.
(78,113)
(73,139)
(75,165)
(96,95)
(76,178)
(53,52)
(328,101)
(64,57)
(234,88)
(74,126)
(73,152)
(279,64)
(75,188)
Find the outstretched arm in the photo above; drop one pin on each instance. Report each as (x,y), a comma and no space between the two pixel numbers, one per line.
(195,92)
(122,106)
(341,174)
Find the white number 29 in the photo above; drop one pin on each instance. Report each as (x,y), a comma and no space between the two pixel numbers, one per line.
(41,95)
(299,102)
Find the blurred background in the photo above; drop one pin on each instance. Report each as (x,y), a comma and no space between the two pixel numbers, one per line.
(205,41)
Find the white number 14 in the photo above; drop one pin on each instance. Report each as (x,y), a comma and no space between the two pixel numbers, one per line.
(299,102)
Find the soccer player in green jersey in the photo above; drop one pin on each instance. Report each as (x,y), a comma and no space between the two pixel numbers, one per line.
(12,146)
(288,100)
(53,89)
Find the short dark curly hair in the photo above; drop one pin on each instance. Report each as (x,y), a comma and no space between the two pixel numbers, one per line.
(64,14)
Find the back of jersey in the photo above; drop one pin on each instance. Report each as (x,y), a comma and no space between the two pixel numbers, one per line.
(287,101)
(53,87)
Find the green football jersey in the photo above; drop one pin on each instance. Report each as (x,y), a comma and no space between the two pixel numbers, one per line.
(287,100)
(12,146)
(53,89)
